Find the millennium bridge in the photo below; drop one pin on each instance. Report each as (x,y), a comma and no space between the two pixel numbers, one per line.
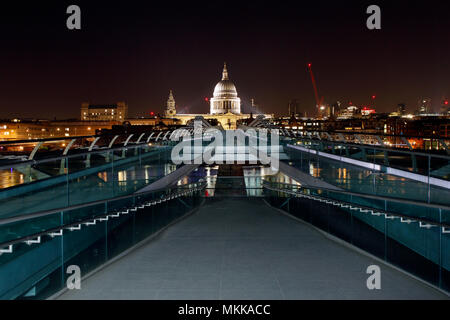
(308,224)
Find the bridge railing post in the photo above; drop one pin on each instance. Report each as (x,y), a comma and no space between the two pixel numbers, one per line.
(429,174)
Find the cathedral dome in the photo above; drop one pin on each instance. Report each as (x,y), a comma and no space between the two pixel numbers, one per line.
(225,98)
(225,88)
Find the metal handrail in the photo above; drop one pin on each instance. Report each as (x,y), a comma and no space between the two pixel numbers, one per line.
(39,142)
(44,213)
(104,135)
(373,147)
(381,211)
(369,196)
(66,226)
(68,156)
(9,142)
(371,134)
(126,144)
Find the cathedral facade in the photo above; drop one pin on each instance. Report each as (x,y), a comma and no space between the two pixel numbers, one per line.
(225,105)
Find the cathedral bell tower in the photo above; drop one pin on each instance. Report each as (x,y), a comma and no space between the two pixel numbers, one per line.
(170,109)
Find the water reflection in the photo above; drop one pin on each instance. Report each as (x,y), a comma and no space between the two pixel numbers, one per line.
(10,178)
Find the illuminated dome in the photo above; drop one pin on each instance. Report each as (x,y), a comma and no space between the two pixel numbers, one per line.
(225,88)
(225,98)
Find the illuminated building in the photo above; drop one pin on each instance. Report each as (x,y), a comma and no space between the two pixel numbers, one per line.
(348,112)
(171,109)
(445,107)
(365,111)
(225,105)
(110,112)
(225,99)
(424,106)
(42,129)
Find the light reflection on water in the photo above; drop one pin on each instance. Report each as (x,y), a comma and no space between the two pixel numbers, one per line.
(10,178)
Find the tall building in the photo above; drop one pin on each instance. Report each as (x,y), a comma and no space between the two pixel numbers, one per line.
(445,107)
(401,109)
(171,109)
(424,106)
(109,112)
(225,98)
(293,107)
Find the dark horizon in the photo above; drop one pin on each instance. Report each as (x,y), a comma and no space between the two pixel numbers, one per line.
(137,52)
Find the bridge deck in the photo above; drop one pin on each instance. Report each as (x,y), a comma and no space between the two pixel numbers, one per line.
(244,249)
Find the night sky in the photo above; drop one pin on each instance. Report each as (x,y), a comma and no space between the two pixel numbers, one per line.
(137,51)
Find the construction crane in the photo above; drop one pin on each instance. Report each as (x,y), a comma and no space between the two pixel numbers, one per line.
(313,80)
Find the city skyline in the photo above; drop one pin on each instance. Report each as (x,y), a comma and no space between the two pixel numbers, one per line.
(138,53)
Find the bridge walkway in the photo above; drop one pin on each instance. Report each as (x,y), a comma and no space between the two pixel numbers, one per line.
(241,248)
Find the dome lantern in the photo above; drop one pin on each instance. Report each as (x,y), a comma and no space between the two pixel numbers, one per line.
(224,72)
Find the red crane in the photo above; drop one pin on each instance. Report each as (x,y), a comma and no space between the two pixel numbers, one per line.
(313,80)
